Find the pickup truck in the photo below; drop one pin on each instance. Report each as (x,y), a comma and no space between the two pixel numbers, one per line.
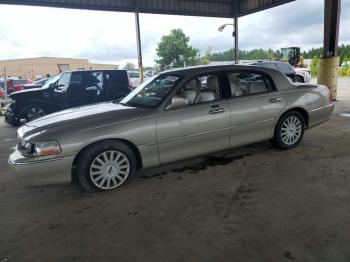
(67,90)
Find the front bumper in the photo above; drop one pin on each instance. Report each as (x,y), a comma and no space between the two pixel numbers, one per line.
(31,172)
(10,117)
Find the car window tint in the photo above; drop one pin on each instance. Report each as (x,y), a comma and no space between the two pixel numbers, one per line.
(75,80)
(63,82)
(248,83)
(285,68)
(200,89)
(133,74)
(269,65)
(19,81)
(93,86)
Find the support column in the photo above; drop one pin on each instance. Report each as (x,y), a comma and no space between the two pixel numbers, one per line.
(329,63)
(235,33)
(139,48)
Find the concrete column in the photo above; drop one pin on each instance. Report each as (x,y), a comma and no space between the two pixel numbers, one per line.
(329,63)
(328,71)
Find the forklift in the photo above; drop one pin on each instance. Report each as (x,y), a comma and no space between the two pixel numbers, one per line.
(292,56)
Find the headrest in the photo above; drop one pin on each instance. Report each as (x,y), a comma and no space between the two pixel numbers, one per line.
(212,83)
(194,85)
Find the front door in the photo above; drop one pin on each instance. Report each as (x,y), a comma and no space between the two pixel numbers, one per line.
(196,121)
(59,92)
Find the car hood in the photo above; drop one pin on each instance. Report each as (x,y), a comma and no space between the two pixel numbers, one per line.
(86,117)
(24,91)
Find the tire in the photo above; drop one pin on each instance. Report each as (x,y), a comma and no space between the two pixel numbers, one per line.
(289,130)
(33,111)
(105,166)
(299,79)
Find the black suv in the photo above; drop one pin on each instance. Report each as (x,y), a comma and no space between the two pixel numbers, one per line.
(67,90)
(283,67)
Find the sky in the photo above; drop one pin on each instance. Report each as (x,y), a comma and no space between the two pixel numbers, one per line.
(109,37)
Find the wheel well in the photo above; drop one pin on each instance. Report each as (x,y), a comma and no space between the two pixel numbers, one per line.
(128,143)
(303,112)
(33,102)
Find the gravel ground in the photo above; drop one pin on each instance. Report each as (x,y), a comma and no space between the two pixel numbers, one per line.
(252,204)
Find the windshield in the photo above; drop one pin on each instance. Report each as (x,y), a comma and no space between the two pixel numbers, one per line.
(52,80)
(152,92)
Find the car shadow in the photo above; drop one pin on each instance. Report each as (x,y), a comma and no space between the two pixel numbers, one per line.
(195,165)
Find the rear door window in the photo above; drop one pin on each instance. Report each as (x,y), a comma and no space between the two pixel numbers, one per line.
(285,68)
(116,85)
(249,83)
(269,65)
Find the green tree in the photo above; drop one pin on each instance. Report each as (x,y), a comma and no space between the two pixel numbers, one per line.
(345,69)
(205,60)
(174,51)
(314,66)
(129,66)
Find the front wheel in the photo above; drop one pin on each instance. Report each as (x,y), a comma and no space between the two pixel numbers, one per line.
(105,166)
(299,79)
(289,130)
(33,112)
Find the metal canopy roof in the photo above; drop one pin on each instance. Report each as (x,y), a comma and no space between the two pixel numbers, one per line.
(210,8)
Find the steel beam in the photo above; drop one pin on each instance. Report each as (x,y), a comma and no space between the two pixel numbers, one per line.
(235,24)
(331,27)
(139,47)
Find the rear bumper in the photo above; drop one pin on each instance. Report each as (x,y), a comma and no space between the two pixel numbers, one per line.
(29,172)
(320,115)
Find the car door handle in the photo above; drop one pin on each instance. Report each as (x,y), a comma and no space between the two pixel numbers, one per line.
(275,100)
(216,111)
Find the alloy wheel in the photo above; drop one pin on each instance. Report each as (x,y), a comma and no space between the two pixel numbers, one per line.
(35,112)
(291,130)
(109,170)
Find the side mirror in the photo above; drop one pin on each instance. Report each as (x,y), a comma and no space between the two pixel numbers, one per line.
(52,86)
(177,102)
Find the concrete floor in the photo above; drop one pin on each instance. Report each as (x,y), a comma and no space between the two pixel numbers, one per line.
(253,204)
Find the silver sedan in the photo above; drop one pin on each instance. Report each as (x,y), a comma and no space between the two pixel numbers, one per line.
(175,115)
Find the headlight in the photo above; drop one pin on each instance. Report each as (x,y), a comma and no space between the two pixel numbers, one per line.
(45,148)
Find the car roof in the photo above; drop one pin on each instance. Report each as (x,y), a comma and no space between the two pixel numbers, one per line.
(207,68)
(269,62)
(94,70)
(281,80)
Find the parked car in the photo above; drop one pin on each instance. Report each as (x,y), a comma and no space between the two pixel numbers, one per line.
(2,93)
(36,84)
(134,77)
(283,67)
(173,116)
(15,84)
(67,90)
(303,75)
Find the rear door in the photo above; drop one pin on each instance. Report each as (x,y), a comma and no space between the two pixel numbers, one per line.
(255,104)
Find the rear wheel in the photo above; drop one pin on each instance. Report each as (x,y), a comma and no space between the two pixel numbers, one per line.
(105,166)
(289,130)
